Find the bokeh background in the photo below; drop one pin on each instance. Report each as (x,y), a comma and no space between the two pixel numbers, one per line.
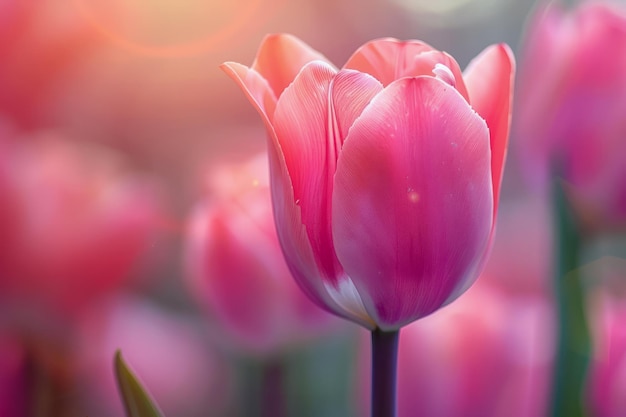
(113,114)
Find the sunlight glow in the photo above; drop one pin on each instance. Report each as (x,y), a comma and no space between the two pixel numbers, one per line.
(169,28)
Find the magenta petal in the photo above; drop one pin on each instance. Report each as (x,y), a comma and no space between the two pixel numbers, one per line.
(301,130)
(292,233)
(295,243)
(294,240)
(307,131)
(312,117)
(489,79)
(412,201)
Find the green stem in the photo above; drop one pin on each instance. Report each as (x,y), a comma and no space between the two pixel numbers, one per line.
(273,389)
(263,388)
(384,369)
(573,344)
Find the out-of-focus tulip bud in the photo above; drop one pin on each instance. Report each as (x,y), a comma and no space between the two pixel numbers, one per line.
(607,381)
(8,209)
(570,108)
(169,352)
(40,50)
(236,267)
(385,174)
(486,355)
(77,225)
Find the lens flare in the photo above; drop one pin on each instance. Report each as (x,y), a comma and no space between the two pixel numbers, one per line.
(243,17)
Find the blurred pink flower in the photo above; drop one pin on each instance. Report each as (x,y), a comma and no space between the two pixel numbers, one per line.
(39,56)
(236,268)
(73,226)
(571,101)
(486,355)
(385,174)
(608,367)
(168,352)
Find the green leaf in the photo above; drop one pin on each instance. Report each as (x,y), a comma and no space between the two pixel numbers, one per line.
(137,401)
(573,350)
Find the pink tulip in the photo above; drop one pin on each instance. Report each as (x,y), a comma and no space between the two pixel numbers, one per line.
(488,355)
(41,50)
(74,226)
(8,209)
(385,174)
(607,385)
(570,117)
(236,268)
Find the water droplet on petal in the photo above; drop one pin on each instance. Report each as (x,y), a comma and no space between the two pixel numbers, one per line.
(413,196)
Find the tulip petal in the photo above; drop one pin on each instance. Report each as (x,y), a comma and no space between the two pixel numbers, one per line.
(312,117)
(296,246)
(291,232)
(300,124)
(387,59)
(427,62)
(281,57)
(412,202)
(390,59)
(489,78)
(255,87)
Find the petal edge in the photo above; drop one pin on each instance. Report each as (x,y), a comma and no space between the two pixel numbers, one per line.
(489,79)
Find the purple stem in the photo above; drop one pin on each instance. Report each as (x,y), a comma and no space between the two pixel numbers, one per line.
(384,375)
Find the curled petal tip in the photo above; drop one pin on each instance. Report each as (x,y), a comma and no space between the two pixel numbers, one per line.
(255,87)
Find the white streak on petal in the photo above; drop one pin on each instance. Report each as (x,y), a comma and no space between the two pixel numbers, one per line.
(349,299)
(444,74)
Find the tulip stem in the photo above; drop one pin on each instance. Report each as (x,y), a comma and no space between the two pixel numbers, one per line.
(573,348)
(384,370)
(273,389)
(264,389)
(48,388)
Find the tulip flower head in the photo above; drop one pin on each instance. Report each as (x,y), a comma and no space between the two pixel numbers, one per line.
(75,224)
(571,106)
(385,174)
(236,268)
(607,373)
